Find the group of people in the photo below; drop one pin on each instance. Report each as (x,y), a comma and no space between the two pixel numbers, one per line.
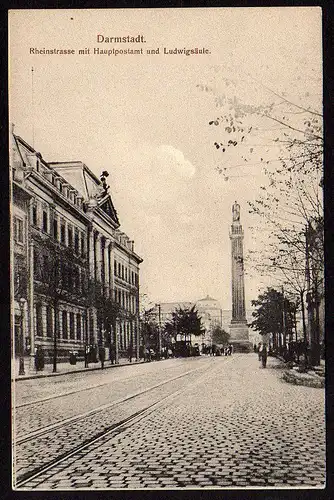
(215,350)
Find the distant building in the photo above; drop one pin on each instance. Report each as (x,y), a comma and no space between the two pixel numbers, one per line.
(208,309)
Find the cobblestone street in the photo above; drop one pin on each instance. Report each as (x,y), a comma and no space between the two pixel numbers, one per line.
(233,425)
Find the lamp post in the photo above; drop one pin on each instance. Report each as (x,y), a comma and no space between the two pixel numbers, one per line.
(159,330)
(21,366)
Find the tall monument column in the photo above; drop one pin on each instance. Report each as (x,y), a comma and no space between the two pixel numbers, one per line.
(238,327)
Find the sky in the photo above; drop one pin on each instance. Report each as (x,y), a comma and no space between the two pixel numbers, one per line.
(145,119)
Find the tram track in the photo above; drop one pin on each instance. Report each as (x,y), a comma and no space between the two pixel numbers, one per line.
(29,416)
(112,429)
(39,432)
(45,446)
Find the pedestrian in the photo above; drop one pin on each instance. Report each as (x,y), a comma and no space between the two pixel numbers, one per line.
(112,354)
(264,356)
(39,359)
(130,353)
(102,356)
(259,351)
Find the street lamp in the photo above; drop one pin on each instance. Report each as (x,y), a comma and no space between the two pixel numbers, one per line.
(22,301)
(159,331)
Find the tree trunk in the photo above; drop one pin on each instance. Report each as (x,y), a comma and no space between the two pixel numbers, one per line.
(304,324)
(315,329)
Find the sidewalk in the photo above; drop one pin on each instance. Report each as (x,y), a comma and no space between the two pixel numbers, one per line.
(62,368)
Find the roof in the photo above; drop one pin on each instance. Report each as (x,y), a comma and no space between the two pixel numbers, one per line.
(168,307)
(79,176)
(88,185)
(208,298)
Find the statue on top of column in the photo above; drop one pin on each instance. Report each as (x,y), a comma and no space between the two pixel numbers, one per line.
(236,212)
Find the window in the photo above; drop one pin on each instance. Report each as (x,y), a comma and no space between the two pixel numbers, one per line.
(115,268)
(62,233)
(79,326)
(60,187)
(37,269)
(71,325)
(83,282)
(122,272)
(70,236)
(126,274)
(119,269)
(34,215)
(76,243)
(132,278)
(45,221)
(18,229)
(49,325)
(39,320)
(65,327)
(69,278)
(55,229)
(82,245)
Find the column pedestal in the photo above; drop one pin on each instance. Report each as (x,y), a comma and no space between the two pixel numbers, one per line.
(239,337)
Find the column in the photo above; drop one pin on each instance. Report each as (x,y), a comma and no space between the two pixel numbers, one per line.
(66,232)
(106,266)
(91,253)
(98,254)
(60,324)
(111,268)
(44,321)
(94,327)
(75,325)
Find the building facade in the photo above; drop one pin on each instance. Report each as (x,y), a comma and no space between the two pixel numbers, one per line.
(76,257)
(19,256)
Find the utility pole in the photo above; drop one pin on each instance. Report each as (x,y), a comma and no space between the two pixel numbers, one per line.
(32,107)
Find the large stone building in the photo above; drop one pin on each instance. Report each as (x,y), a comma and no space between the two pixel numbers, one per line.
(208,309)
(19,256)
(72,247)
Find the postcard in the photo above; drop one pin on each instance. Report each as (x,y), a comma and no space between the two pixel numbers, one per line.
(167,269)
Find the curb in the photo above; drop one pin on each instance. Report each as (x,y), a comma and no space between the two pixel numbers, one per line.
(81,370)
